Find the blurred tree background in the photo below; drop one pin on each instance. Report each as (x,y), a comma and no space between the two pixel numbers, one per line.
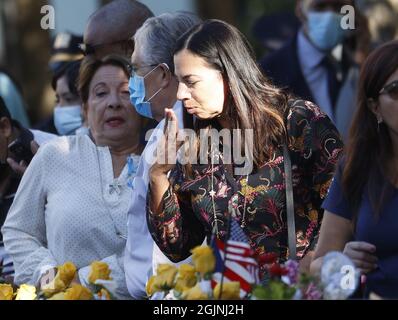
(26,50)
(253,10)
(243,14)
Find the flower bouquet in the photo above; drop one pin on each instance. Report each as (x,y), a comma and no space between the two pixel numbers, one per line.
(338,280)
(191,282)
(63,286)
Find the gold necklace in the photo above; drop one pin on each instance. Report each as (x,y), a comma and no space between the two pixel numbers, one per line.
(212,193)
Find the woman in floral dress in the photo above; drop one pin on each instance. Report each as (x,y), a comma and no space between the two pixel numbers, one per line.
(221,85)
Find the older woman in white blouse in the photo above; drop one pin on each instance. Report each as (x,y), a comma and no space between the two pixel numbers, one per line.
(73,200)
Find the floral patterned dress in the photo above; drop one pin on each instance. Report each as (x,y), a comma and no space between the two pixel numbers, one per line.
(188,214)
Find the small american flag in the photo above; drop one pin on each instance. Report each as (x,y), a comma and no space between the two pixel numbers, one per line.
(238,263)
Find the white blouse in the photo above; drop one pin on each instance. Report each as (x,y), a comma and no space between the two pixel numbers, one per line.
(69,207)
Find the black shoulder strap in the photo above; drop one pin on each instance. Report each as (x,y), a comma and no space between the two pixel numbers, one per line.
(291,226)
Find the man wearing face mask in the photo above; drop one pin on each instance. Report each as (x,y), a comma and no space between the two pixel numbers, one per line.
(153,87)
(319,64)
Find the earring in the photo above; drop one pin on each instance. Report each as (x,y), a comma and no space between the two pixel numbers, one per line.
(379,120)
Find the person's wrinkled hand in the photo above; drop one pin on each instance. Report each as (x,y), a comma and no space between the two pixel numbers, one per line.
(362,254)
(20,167)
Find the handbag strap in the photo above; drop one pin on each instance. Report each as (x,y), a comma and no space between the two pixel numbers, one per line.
(291,225)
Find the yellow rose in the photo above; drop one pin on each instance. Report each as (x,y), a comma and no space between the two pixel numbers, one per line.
(104,293)
(150,286)
(186,277)
(26,292)
(99,270)
(65,274)
(230,291)
(195,293)
(165,277)
(78,292)
(6,292)
(203,259)
(58,296)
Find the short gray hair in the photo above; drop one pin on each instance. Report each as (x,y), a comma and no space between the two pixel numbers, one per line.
(158,36)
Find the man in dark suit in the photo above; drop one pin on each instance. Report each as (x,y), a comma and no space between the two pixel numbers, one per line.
(318,63)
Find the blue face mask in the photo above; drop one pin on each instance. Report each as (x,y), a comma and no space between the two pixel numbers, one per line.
(137,94)
(67,119)
(324,29)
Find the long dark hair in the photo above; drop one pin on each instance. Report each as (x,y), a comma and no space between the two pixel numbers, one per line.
(369,146)
(252,102)
(71,71)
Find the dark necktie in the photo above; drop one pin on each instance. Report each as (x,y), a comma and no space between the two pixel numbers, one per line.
(334,82)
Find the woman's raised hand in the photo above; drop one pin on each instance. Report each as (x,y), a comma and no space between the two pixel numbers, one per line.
(165,161)
(168,146)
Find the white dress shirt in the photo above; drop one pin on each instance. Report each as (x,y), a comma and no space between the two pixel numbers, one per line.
(42,137)
(69,207)
(142,254)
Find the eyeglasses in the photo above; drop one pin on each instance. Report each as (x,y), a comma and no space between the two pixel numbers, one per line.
(391,89)
(88,49)
(134,69)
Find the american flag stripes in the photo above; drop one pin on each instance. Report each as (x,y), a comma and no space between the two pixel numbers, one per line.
(235,258)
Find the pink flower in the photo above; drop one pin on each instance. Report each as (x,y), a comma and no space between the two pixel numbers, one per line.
(292,270)
(312,293)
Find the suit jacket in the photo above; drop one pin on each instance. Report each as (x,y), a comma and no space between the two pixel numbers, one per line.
(283,68)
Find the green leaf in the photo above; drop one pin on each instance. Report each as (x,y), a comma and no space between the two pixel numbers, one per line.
(275,290)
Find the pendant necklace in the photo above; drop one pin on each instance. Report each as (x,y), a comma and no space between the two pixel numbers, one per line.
(212,193)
